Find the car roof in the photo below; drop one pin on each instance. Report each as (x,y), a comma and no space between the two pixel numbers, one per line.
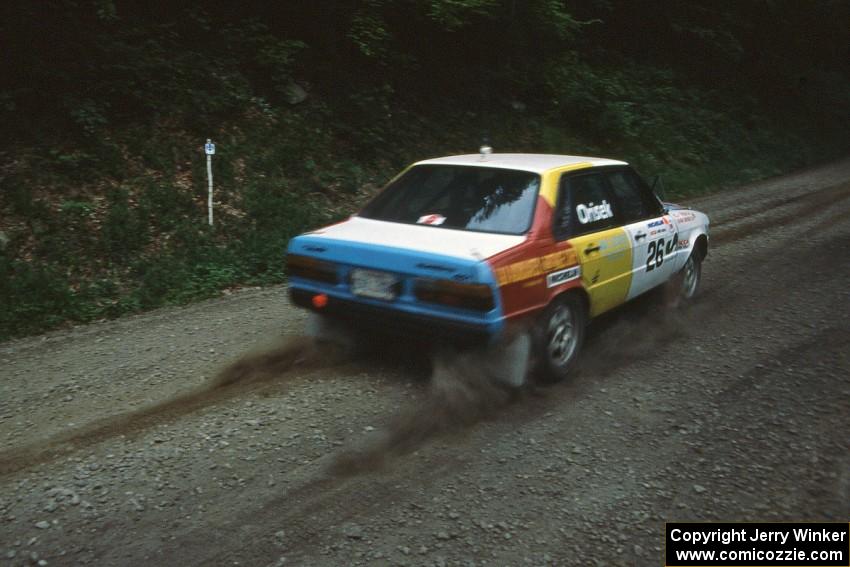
(537,163)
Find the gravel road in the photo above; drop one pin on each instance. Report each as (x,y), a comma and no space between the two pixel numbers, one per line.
(213,435)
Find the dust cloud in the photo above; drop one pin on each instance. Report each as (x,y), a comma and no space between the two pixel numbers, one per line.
(638,331)
(264,365)
(465,389)
(461,392)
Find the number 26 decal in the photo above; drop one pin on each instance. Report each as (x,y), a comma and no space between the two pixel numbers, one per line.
(656,251)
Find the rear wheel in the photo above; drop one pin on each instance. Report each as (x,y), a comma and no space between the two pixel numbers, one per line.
(559,337)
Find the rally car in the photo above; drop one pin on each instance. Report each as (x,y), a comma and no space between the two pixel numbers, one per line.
(470,248)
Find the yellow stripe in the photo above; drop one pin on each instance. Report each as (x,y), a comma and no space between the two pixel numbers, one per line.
(551,178)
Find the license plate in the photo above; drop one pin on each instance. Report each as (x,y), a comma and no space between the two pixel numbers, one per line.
(377,285)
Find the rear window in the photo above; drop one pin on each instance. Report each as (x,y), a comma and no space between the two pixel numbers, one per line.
(481,199)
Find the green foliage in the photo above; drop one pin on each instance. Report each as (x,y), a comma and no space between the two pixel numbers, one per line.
(368,119)
(103,183)
(18,196)
(165,207)
(123,233)
(276,57)
(454,14)
(89,115)
(78,209)
(368,32)
(33,297)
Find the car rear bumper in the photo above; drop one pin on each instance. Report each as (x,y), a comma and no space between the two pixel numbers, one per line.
(396,322)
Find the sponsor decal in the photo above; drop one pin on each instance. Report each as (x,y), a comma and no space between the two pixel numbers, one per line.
(563,276)
(654,223)
(683,244)
(595,277)
(657,250)
(433,219)
(684,216)
(592,213)
(527,269)
(665,219)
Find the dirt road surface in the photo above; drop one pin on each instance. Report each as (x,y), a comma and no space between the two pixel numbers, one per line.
(121,443)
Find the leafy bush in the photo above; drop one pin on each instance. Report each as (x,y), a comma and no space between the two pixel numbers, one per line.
(18,196)
(123,233)
(103,182)
(78,209)
(32,298)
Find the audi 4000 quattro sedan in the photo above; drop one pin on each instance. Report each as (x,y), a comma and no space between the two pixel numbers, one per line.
(467,248)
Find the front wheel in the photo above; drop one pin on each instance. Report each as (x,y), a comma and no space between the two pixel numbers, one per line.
(559,337)
(692,273)
(684,286)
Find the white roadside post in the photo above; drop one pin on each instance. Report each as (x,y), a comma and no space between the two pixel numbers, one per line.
(209,149)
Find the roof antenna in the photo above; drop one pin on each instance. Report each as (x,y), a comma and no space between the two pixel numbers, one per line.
(485,149)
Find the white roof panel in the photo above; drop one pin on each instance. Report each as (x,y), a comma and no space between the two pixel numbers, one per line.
(538,163)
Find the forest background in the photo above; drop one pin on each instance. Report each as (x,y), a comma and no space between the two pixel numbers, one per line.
(314,105)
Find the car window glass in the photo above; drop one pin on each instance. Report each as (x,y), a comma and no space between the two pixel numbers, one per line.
(586,208)
(481,199)
(632,205)
(651,200)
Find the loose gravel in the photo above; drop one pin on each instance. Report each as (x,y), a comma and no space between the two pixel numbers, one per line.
(156,439)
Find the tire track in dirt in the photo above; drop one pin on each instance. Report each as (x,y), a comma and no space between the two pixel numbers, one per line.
(321,498)
(251,370)
(311,507)
(831,197)
(316,503)
(766,205)
(458,397)
(807,180)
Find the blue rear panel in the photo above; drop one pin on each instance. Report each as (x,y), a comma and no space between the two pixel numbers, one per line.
(407,265)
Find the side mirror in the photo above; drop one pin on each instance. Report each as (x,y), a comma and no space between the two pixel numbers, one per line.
(657,186)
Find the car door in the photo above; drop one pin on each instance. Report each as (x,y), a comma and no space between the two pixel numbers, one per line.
(586,217)
(651,232)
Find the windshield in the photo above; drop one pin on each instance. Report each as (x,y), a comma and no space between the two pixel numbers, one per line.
(481,199)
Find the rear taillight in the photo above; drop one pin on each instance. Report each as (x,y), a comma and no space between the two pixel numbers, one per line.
(452,294)
(311,269)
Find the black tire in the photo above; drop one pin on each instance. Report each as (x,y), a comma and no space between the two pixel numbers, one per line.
(559,336)
(684,286)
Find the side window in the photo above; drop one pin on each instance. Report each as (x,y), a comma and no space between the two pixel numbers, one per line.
(630,199)
(584,205)
(652,202)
